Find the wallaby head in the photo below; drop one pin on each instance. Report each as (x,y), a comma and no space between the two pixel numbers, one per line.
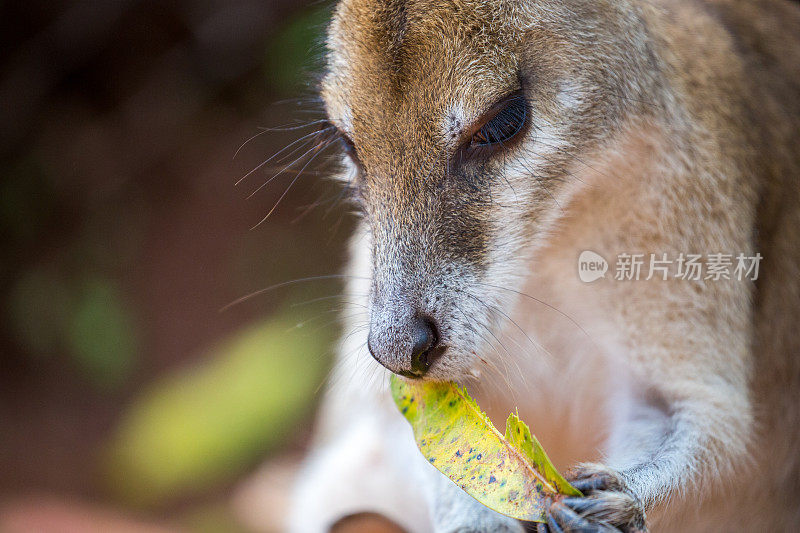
(460,131)
(488,144)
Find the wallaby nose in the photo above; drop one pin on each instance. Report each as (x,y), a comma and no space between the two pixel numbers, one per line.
(425,341)
(408,348)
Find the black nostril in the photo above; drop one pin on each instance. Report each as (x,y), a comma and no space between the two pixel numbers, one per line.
(426,340)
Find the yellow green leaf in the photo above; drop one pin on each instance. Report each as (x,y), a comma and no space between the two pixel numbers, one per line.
(511,475)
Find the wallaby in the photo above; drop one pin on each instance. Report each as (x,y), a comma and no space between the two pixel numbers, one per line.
(487,145)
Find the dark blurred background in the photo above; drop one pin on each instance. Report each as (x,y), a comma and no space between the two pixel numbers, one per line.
(129,400)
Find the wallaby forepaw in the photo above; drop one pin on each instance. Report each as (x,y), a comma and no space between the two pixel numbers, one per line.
(607,506)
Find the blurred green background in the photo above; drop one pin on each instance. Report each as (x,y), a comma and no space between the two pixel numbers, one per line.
(128,400)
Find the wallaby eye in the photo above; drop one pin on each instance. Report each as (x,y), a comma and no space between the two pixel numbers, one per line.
(505,125)
(330,133)
(347,145)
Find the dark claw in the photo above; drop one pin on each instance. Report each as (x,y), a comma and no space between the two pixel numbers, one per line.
(572,522)
(552,524)
(582,505)
(592,483)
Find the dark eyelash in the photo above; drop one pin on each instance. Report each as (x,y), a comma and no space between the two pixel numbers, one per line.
(329,133)
(504,126)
